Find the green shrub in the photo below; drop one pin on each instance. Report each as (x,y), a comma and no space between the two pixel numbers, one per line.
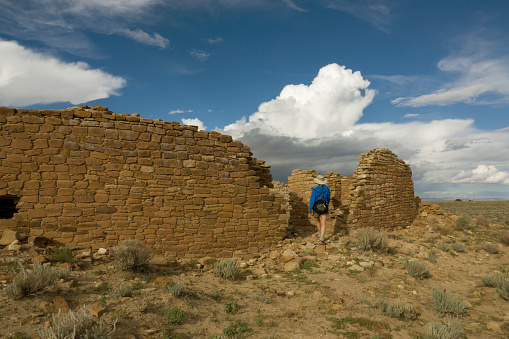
(432,256)
(27,282)
(131,255)
(500,281)
(63,254)
(370,239)
(226,269)
(261,298)
(458,247)
(396,309)
(236,330)
(80,324)
(231,306)
(176,290)
(503,237)
(443,246)
(491,248)
(123,290)
(482,220)
(175,315)
(453,329)
(417,269)
(445,303)
(462,223)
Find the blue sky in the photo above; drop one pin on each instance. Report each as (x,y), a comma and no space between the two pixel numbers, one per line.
(306,84)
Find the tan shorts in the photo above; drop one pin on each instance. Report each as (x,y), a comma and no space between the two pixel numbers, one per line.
(316,215)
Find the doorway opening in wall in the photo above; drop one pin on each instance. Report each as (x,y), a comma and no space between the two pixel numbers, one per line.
(8,206)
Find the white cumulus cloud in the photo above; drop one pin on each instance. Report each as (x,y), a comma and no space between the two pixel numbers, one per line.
(488,174)
(28,77)
(179,111)
(317,127)
(330,105)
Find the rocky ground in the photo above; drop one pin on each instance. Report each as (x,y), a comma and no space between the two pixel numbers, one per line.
(297,289)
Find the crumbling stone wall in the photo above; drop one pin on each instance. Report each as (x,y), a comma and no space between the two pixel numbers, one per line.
(378,194)
(92,177)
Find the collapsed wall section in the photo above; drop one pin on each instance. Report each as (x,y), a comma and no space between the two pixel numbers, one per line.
(90,177)
(378,194)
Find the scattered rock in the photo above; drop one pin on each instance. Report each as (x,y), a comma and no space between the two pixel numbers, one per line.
(290,266)
(494,326)
(8,237)
(15,246)
(96,311)
(159,260)
(356,268)
(54,304)
(160,281)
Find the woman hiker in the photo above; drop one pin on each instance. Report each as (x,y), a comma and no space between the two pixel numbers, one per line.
(319,206)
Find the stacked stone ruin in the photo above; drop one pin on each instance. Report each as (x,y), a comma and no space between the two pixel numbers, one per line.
(379,194)
(90,177)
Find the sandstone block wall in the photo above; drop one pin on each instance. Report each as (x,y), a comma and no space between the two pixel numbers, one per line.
(93,177)
(380,194)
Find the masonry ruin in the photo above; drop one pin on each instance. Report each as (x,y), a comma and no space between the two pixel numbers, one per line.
(91,177)
(379,194)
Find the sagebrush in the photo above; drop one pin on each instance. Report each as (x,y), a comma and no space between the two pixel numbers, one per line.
(453,329)
(227,269)
(417,269)
(77,325)
(131,255)
(396,309)
(31,281)
(444,302)
(373,240)
(500,281)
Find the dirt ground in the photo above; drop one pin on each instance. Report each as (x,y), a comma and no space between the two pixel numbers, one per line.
(297,289)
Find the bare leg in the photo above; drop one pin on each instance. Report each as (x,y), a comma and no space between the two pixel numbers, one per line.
(318,225)
(323,219)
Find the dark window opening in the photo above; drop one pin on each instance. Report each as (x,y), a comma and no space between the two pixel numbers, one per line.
(8,206)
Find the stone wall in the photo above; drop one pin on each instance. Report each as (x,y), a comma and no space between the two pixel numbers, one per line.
(378,194)
(90,177)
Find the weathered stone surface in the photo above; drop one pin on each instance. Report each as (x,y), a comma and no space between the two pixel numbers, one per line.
(290,266)
(8,236)
(54,304)
(104,177)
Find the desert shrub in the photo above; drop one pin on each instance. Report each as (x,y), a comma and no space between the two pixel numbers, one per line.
(464,238)
(503,237)
(226,269)
(453,329)
(131,255)
(27,282)
(62,254)
(417,269)
(396,309)
(462,223)
(261,298)
(236,330)
(482,220)
(230,306)
(432,256)
(175,315)
(443,246)
(123,290)
(373,240)
(500,281)
(458,247)
(176,290)
(491,248)
(444,302)
(79,324)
